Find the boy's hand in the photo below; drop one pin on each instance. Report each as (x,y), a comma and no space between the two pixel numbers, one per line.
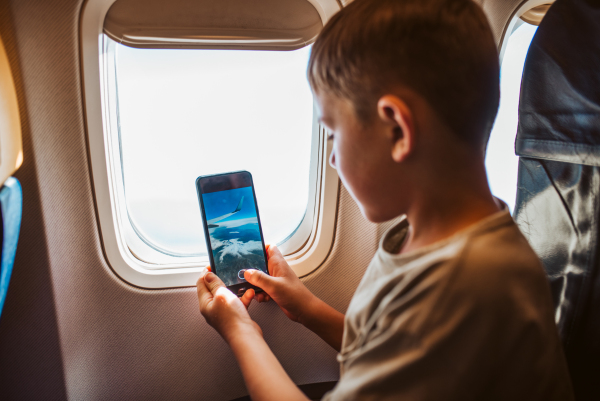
(282,285)
(223,310)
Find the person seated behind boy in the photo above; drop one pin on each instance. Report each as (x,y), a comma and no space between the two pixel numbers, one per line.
(455,304)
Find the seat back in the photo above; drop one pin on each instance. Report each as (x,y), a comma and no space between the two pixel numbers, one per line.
(558,199)
(11,206)
(11,158)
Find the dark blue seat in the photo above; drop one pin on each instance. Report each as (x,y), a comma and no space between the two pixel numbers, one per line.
(558,200)
(11,208)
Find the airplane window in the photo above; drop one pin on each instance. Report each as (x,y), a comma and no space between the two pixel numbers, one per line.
(183,113)
(501,161)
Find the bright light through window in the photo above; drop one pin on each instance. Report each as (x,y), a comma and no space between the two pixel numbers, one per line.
(501,161)
(186,113)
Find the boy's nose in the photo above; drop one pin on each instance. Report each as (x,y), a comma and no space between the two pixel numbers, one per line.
(332,158)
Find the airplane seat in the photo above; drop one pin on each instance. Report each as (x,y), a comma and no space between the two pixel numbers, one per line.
(11,157)
(558,198)
(11,207)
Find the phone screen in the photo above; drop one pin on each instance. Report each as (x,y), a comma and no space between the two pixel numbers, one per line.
(232,222)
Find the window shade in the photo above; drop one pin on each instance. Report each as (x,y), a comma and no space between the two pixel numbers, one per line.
(536,14)
(223,24)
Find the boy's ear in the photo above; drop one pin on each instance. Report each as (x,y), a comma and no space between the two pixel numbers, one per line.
(397,116)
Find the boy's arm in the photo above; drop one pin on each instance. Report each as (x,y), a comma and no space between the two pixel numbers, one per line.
(264,376)
(325,322)
(296,301)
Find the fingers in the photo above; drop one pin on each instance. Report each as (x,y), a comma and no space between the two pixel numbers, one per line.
(259,279)
(262,297)
(272,250)
(247,297)
(277,263)
(204,294)
(212,282)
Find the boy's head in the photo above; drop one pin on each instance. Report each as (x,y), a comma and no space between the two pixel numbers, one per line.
(414,72)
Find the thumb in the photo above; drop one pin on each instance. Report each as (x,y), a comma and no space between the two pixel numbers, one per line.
(213,283)
(259,279)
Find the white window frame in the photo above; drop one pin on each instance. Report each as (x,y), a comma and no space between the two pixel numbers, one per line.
(513,22)
(305,250)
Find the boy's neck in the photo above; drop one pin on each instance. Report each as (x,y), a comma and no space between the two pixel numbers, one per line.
(460,198)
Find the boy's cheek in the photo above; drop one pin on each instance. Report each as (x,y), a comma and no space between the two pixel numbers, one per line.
(368,187)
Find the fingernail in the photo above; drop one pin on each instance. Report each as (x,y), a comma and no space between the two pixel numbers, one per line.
(209,277)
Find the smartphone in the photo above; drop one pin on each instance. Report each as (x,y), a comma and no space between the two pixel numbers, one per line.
(232,227)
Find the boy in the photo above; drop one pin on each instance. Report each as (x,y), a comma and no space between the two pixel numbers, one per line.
(455,305)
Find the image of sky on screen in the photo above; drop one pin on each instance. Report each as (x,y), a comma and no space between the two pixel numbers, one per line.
(235,240)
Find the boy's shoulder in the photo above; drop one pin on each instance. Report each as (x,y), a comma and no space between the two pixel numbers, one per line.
(488,268)
(501,263)
(483,260)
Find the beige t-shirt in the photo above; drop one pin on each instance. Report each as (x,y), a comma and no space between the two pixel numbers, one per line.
(468,318)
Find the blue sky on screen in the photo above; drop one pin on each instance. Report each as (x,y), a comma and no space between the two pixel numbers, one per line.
(219,203)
